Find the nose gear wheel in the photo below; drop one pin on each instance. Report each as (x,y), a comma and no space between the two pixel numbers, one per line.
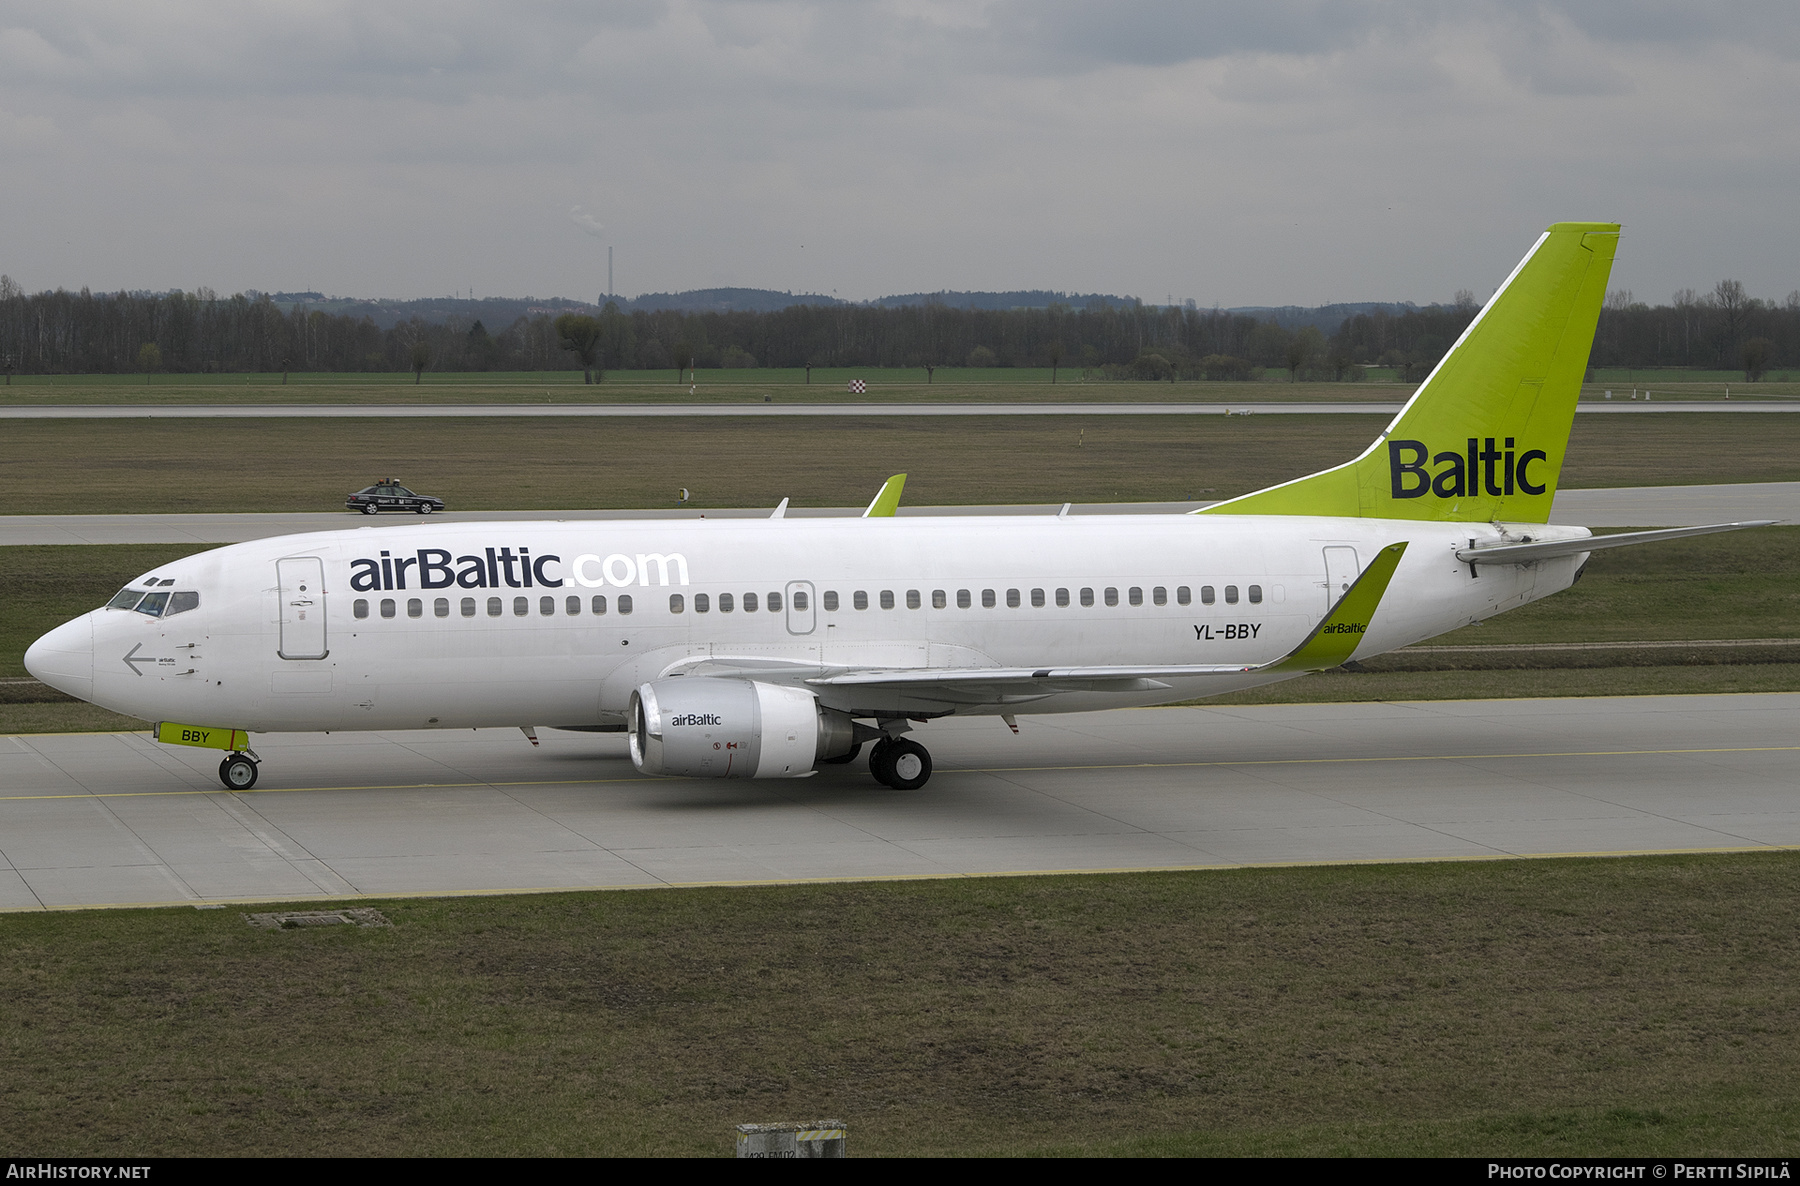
(238,772)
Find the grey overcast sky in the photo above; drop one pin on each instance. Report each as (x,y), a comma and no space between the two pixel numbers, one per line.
(1267,152)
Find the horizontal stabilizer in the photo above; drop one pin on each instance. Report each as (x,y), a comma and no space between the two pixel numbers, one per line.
(1525,553)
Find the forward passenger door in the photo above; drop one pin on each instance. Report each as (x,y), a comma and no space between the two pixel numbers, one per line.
(301,580)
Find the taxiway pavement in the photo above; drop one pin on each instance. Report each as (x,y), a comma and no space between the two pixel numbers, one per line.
(1638,506)
(885,410)
(115,819)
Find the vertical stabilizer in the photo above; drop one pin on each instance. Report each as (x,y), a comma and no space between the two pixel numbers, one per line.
(1483,437)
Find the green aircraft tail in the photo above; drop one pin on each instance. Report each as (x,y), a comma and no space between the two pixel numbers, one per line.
(1483,437)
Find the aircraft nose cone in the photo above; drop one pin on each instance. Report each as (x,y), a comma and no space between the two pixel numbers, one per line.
(64,658)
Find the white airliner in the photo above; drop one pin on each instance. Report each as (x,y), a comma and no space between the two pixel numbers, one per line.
(763,648)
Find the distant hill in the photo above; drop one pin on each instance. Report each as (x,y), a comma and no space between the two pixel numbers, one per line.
(725,300)
(763,300)
(1034,298)
(1326,318)
(498,312)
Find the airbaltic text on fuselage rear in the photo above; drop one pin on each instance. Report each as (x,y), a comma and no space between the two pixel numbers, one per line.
(496,568)
(1497,470)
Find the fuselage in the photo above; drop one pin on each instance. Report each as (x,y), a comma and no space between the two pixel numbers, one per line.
(443,625)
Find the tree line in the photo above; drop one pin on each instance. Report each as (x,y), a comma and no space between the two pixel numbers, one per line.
(62,332)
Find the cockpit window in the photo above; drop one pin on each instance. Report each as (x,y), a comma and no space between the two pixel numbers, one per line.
(181,603)
(125,599)
(153,604)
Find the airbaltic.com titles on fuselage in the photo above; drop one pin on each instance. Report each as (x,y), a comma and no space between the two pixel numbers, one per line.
(502,568)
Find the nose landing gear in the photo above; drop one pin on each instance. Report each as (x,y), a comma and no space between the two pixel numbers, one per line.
(238,772)
(900,763)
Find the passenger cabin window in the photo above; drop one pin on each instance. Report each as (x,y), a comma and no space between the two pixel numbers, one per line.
(1183,595)
(962,599)
(800,599)
(1112,595)
(572,606)
(1206,594)
(387,607)
(1230,594)
(1037,599)
(1012,599)
(831,601)
(1159,596)
(468,607)
(1087,597)
(599,604)
(1134,596)
(521,606)
(726,604)
(415,608)
(1255,592)
(546,607)
(749,603)
(493,607)
(677,603)
(774,600)
(360,607)
(939,599)
(702,603)
(912,599)
(860,599)
(441,607)
(1062,597)
(624,603)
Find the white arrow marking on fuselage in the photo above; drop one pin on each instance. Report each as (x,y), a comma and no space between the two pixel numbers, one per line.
(132,663)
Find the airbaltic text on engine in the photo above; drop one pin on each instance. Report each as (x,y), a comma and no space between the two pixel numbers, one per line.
(494,568)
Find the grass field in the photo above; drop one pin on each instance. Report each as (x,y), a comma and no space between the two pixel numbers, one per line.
(1643,1006)
(108,466)
(829,385)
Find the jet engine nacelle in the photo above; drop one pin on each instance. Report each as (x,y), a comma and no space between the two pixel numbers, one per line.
(705,727)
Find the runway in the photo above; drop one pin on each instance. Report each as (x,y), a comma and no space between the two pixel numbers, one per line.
(886,410)
(113,819)
(1637,506)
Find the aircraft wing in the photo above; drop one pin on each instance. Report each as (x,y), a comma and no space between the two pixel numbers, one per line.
(1330,644)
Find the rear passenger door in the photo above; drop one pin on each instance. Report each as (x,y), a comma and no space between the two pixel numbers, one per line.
(1341,571)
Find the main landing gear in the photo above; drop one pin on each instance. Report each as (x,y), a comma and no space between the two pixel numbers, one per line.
(902,764)
(238,772)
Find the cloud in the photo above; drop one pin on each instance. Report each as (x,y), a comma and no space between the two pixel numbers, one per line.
(587,222)
(1293,150)
(21,132)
